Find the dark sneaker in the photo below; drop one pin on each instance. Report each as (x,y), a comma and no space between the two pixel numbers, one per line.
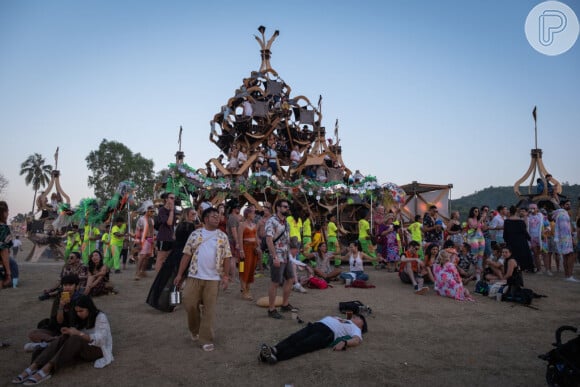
(287,308)
(43,297)
(274,314)
(267,355)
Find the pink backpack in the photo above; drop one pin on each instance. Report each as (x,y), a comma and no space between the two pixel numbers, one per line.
(317,283)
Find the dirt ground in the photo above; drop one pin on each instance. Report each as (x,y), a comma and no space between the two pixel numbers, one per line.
(412,340)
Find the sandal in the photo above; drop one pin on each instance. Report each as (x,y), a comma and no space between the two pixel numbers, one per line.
(208,347)
(37,378)
(23,376)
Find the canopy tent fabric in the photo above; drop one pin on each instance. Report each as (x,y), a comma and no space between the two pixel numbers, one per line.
(421,196)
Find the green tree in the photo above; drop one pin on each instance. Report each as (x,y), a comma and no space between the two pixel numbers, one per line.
(113,163)
(37,173)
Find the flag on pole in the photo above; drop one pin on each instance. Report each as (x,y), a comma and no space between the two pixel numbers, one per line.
(56,158)
(336,129)
(319,103)
(534,113)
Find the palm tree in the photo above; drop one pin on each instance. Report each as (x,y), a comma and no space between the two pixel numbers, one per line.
(37,173)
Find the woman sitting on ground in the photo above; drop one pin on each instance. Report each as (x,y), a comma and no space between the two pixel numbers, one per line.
(513,272)
(61,315)
(89,340)
(324,269)
(355,261)
(97,283)
(431,253)
(494,269)
(448,281)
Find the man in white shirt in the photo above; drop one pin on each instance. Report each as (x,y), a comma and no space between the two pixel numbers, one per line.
(340,333)
(207,253)
(496,224)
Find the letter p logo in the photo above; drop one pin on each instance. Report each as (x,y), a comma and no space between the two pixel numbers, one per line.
(552,28)
(551,22)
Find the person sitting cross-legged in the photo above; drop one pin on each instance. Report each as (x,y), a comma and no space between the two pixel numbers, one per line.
(324,269)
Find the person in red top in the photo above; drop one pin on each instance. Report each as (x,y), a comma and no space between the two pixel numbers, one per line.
(410,268)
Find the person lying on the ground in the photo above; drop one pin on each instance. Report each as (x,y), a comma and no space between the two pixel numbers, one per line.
(335,332)
(61,315)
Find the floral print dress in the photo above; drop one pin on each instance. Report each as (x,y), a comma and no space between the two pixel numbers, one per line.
(448,282)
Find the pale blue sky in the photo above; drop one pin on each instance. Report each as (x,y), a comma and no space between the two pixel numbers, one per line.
(438,92)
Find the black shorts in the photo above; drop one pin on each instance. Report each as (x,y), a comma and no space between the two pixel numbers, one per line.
(165,245)
(279,274)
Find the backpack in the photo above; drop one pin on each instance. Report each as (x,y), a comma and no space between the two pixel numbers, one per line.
(361,284)
(519,295)
(317,283)
(355,307)
(482,287)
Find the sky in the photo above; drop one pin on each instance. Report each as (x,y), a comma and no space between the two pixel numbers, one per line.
(438,92)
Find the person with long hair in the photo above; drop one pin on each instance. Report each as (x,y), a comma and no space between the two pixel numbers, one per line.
(448,282)
(355,260)
(431,253)
(387,239)
(454,229)
(97,282)
(475,239)
(513,272)
(515,234)
(166,275)
(250,251)
(165,233)
(89,339)
(324,268)
(563,239)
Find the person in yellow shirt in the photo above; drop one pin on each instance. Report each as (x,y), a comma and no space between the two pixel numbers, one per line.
(106,247)
(331,233)
(317,237)
(295,224)
(415,229)
(90,238)
(73,241)
(307,233)
(117,238)
(364,235)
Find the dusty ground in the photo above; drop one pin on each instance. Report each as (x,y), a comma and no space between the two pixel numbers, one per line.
(412,340)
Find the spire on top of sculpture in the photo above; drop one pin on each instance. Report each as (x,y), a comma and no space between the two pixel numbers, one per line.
(265,48)
(262,128)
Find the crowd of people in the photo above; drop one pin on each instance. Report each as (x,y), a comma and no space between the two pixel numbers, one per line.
(205,248)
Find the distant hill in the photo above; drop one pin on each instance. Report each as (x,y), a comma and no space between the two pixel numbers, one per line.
(494,196)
